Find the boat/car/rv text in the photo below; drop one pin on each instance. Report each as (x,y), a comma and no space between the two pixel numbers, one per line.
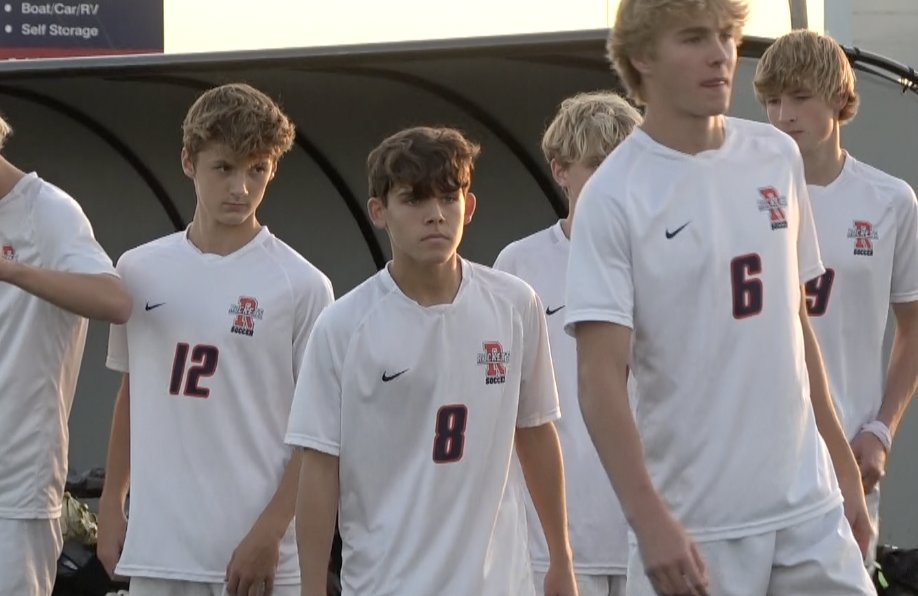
(84,9)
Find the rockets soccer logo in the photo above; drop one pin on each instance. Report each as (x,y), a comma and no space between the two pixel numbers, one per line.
(244,314)
(496,361)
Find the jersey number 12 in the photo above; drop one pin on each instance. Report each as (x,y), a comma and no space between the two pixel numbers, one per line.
(204,364)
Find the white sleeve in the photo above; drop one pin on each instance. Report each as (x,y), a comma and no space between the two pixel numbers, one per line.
(905,260)
(315,416)
(504,262)
(809,261)
(538,393)
(118,358)
(600,285)
(67,240)
(311,299)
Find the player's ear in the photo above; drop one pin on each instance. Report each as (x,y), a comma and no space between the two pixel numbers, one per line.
(377,211)
(641,61)
(838,103)
(559,173)
(470,203)
(187,163)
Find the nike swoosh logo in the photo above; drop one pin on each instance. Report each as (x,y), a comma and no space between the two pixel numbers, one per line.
(676,231)
(551,311)
(386,378)
(149,306)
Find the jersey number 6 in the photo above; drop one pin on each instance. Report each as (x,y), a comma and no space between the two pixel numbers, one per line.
(204,359)
(748,295)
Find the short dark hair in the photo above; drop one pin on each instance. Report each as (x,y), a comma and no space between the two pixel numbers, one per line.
(428,160)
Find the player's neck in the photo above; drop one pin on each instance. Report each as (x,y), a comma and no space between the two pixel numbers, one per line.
(824,163)
(428,285)
(566,226)
(10,175)
(212,237)
(686,134)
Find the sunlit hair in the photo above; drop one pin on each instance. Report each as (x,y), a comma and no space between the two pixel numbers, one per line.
(587,127)
(639,23)
(430,161)
(5,131)
(245,120)
(810,62)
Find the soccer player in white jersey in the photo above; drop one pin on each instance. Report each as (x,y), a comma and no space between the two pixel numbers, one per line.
(415,387)
(587,127)
(691,244)
(867,223)
(210,357)
(53,276)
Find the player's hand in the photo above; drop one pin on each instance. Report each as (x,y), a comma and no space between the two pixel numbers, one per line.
(560,580)
(671,559)
(7,268)
(253,565)
(871,459)
(112,530)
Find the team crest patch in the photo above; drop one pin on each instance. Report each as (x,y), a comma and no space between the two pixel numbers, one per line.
(9,253)
(772,201)
(496,360)
(864,235)
(244,314)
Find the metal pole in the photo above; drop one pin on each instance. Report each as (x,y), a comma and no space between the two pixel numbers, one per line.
(799,18)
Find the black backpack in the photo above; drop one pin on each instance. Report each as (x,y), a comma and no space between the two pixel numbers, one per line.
(897,571)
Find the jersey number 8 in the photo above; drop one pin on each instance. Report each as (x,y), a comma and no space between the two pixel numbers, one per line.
(449,437)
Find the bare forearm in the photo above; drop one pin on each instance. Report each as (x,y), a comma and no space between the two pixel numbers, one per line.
(602,369)
(608,417)
(539,452)
(316,510)
(100,297)
(902,375)
(118,460)
(278,514)
(827,421)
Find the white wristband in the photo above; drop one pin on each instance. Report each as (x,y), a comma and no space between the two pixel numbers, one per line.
(880,431)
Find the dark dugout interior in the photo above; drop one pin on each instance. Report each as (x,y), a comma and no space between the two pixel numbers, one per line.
(108,131)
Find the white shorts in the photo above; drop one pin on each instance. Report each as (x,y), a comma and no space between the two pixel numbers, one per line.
(819,557)
(29,549)
(148,586)
(588,585)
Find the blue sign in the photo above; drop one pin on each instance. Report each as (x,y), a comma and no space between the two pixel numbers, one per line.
(40,29)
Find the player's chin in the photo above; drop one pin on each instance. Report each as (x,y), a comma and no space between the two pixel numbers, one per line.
(436,256)
(235,218)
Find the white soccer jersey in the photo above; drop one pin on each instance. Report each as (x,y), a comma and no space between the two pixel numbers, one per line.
(703,256)
(867,223)
(598,530)
(420,405)
(40,226)
(213,348)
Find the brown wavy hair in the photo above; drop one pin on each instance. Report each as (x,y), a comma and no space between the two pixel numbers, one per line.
(241,117)
(431,161)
